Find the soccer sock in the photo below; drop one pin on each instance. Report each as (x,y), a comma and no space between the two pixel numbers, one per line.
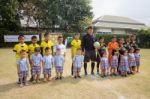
(92,66)
(98,67)
(85,67)
(72,69)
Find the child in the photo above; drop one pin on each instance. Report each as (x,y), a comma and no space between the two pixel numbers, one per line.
(32,46)
(60,46)
(137,59)
(47,65)
(20,46)
(123,64)
(22,67)
(36,61)
(104,64)
(59,62)
(75,44)
(114,62)
(77,63)
(132,62)
(46,43)
(99,51)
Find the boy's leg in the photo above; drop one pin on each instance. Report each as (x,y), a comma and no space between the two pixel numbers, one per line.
(72,69)
(85,68)
(98,63)
(92,67)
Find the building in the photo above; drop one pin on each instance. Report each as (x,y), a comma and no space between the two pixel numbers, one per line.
(117,25)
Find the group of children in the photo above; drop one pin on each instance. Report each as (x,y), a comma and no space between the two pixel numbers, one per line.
(122,60)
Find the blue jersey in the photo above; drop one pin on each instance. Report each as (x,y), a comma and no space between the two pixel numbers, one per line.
(36,59)
(78,60)
(23,64)
(48,62)
(59,60)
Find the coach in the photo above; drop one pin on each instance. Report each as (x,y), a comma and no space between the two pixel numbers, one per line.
(88,49)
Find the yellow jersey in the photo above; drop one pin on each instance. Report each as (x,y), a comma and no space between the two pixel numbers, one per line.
(46,44)
(75,45)
(32,47)
(18,47)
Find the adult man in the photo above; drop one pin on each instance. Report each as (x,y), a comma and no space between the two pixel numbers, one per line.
(88,49)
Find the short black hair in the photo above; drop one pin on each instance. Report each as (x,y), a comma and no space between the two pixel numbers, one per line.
(89,27)
(46,34)
(20,36)
(37,49)
(47,48)
(101,37)
(114,51)
(60,36)
(79,49)
(33,37)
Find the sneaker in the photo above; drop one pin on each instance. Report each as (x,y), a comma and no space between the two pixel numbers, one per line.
(75,77)
(79,76)
(56,78)
(26,84)
(60,78)
(21,85)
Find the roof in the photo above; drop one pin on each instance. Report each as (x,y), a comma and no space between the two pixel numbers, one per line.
(109,21)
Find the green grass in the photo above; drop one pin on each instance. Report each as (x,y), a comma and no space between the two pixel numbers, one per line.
(90,87)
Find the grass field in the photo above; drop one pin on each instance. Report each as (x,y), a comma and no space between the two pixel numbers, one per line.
(90,87)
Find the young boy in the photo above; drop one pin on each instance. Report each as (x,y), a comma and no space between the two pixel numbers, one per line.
(20,46)
(75,44)
(32,46)
(59,62)
(47,65)
(77,63)
(46,43)
(60,46)
(36,62)
(22,67)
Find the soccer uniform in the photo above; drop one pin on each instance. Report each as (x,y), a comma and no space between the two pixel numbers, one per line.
(77,60)
(124,64)
(32,47)
(104,63)
(62,48)
(88,47)
(114,61)
(23,67)
(36,59)
(45,44)
(137,59)
(59,61)
(132,62)
(18,47)
(48,62)
(75,45)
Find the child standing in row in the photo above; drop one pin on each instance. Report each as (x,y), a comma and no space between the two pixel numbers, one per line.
(23,67)
(36,62)
(114,62)
(59,63)
(132,62)
(47,65)
(137,59)
(104,65)
(124,64)
(77,63)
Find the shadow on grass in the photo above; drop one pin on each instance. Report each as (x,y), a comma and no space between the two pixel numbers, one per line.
(65,80)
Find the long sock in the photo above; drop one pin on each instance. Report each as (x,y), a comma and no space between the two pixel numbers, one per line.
(85,68)
(72,69)
(98,66)
(92,67)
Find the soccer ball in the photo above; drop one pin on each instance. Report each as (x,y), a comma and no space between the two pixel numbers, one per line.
(96,45)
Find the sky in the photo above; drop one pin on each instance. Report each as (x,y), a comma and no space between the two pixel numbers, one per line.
(136,9)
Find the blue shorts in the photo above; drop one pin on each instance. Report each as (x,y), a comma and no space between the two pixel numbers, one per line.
(59,69)
(22,74)
(47,71)
(36,70)
(76,69)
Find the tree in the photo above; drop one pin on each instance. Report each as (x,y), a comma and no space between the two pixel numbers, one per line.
(9,17)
